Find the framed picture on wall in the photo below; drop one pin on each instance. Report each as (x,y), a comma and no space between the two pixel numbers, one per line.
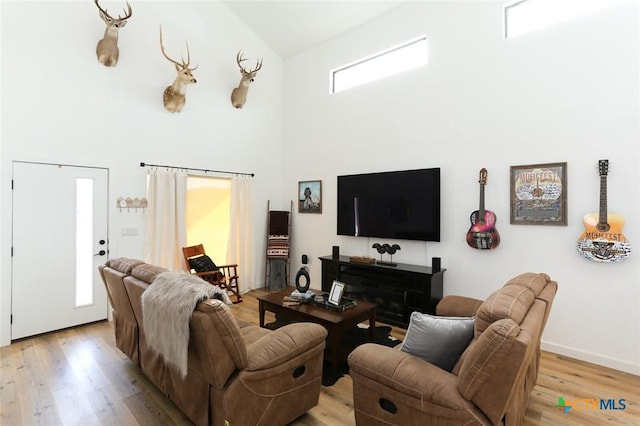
(539,194)
(310,196)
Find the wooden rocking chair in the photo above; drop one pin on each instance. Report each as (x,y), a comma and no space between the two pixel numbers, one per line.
(224,276)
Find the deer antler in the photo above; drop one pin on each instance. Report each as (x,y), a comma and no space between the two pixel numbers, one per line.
(240,59)
(181,65)
(127,12)
(164,53)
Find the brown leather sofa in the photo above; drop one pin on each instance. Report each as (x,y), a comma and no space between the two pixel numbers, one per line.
(490,383)
(239,373)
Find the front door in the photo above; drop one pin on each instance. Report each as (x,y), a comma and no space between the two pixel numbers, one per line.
(59,240)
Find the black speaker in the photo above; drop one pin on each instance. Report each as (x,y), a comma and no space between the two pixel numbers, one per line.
(435,264)
(336,252)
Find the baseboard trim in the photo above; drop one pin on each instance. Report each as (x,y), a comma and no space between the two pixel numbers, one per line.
(615,364)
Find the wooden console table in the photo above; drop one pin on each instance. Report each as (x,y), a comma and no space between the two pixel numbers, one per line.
(396,290)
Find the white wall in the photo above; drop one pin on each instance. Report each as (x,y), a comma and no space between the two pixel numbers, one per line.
(59,105)
(567,93)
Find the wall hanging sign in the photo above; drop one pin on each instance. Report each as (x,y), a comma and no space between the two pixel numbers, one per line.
(310,196)
(539,194)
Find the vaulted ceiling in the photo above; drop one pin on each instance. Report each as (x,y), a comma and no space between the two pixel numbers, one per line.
(290,27)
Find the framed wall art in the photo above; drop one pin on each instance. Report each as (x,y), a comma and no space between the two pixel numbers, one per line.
(539,194)
(310,196)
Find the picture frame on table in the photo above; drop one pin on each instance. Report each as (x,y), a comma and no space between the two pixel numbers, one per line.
(335,295)
(310,196)
(538,194)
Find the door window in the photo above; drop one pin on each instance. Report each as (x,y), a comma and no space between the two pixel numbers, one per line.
(84,241)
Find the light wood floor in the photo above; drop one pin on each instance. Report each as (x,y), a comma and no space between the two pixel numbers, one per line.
(78,377)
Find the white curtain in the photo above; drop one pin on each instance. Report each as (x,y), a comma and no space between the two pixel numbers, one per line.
(241,245)
(165,226)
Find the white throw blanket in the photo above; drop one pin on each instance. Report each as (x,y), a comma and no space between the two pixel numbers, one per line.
(167,305)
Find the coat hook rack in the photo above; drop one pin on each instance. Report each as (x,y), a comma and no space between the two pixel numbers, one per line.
(129,203)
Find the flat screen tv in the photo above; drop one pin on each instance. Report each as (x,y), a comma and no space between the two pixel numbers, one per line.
(402,205)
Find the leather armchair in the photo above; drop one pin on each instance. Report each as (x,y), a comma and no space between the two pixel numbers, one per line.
(491,381)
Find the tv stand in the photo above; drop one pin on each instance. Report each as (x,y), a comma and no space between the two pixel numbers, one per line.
(397,290)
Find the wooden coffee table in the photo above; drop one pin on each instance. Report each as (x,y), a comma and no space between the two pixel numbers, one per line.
(334,322)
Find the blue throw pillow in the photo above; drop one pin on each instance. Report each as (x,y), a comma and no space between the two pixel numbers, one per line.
(438,340)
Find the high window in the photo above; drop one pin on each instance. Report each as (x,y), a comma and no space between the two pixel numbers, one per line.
(523,16)
(408,55)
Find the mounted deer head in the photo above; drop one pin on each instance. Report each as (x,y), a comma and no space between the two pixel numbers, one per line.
(174,95)
(107,48)
(239,94)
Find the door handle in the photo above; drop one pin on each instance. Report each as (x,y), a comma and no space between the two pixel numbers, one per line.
(100,253)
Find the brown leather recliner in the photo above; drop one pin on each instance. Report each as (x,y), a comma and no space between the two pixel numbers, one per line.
(237,372)
(489,385)
(124,320)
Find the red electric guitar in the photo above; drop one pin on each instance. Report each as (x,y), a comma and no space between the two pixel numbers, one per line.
(483,234)
(602,239)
